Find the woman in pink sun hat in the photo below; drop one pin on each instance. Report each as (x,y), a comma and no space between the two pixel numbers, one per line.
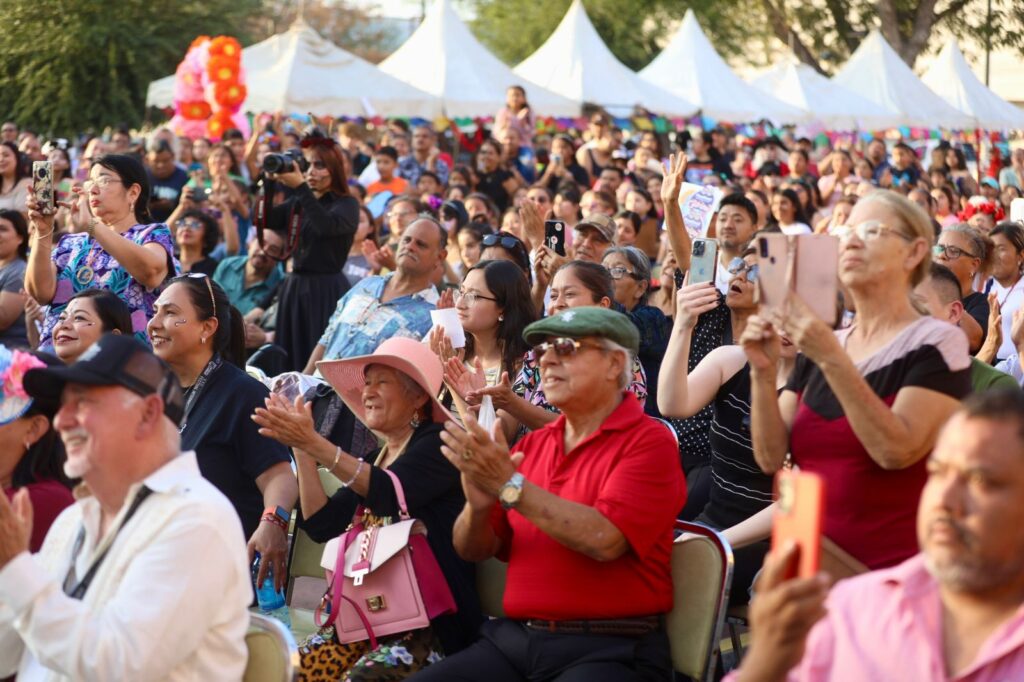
(393,393)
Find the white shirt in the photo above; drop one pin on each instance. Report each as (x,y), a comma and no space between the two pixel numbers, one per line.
(169,601)
(796,228)
(1010,300)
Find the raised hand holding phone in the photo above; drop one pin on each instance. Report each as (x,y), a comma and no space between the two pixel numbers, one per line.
(798,518)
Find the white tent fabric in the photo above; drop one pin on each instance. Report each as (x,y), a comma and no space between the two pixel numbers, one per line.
(951,78)
(690,67)
(877,73)
(827,102)
(444,58)
(575,62)
(298,71)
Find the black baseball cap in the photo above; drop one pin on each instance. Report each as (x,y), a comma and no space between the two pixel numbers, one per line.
(114,360)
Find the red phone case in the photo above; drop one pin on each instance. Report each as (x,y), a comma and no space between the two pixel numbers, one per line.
(798,516)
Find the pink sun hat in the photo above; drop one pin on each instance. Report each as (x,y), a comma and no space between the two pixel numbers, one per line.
(410,357)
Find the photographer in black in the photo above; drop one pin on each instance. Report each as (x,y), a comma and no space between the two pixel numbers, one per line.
(323,216)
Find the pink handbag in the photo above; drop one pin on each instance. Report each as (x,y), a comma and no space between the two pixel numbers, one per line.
(382,580)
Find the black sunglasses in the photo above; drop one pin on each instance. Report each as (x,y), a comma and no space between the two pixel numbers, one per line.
(505,242)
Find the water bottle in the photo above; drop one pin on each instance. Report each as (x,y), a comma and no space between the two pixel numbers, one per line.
(271,601)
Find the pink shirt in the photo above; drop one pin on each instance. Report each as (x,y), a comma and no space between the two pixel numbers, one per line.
(886,625)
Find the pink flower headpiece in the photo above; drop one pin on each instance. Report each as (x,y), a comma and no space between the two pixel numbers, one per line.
(14,401)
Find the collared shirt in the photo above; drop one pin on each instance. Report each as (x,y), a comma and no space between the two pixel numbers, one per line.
(411,169)
(169,602)
(361,322)
(887,625)
(627,470)
(230,275)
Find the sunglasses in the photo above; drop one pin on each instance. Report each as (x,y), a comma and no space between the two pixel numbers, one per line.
(209,287)
(738,266)
(505,242)
(565,347)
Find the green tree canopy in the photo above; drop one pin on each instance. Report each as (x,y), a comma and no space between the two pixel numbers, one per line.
(71,65)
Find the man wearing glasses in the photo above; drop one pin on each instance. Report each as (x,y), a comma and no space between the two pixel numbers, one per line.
(583,512)
(250,281)
(9,132)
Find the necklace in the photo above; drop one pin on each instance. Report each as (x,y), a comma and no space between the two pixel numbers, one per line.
(1009,292)
(85,273)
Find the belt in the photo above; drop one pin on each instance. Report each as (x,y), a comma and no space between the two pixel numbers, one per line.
(620,627)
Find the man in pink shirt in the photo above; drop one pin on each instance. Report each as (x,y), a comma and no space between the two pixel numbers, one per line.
(953,612)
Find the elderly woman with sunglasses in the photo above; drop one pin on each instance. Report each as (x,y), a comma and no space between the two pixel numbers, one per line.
(736,489)
(964,250)
(115,246)
(864,404)
(631,276)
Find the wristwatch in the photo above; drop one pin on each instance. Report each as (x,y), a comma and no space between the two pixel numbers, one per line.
(510,493)
(281,513)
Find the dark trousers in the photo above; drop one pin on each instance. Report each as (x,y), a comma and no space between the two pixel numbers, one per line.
(509,651)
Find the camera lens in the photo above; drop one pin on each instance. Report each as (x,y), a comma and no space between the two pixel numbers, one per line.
(41,173)
(763,245)
(698,248)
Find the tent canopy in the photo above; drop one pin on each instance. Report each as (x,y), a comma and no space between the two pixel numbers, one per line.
(298,71)
(827,102)
(690,67)
(877,73)
(951,78)
(444,58)
(575,62)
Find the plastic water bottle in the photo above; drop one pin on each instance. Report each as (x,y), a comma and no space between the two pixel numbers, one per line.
(271,601)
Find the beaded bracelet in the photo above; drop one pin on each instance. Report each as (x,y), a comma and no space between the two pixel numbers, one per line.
(352,480)
(276,520)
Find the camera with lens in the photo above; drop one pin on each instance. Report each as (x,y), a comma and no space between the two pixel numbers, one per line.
(285,162)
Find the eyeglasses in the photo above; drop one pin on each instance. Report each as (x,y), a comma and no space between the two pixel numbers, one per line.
(209,287)
(270,251)
(950,252)
(867,231)
(505,242)
(565,347)
(738,266)
(102,182)
(470,297)
(191,224)
(618,272)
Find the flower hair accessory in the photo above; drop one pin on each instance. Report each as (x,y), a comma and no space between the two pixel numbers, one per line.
(978,204)
(316,138)
(14,401)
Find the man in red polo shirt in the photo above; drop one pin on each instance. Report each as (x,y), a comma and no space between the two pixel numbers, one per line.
(582,511)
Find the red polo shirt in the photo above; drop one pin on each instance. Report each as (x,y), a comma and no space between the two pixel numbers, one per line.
(629,471)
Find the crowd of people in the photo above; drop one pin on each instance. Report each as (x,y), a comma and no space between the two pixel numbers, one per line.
(197,333)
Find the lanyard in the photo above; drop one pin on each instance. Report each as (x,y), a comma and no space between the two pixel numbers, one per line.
(78,591)
(196,389)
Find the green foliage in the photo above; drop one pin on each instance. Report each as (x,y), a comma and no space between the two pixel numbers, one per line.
(71,65)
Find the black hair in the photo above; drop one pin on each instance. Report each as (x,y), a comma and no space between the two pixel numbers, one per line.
(477,229)
(801,152)
(220,146)
(519,252)
(19,164)
(232,134)
(44,459)
(594,277)
(229,339)
(653,211)
(508,285)
(16,219)
(113,312)
(904,146)
(1013,232)
(387,151)
(943,276)
(616,169)
(131,172)
(429,174)
(799,215)
(211,230)
(999,404)
(746,204)
(633,217)
(492,208)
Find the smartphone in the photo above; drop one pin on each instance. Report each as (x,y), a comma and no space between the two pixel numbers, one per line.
(773,268)
(704,261)
(554,236)
(816,274)
(798,516)
(42,185)
(200,194)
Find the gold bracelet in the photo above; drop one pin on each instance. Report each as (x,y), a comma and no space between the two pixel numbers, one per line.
(337,458)
(44,236)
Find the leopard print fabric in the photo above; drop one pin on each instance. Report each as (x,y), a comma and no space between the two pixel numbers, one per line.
(396,657)
(323,659)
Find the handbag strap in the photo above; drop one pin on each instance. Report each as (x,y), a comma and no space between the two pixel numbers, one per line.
(399,493)
(335,590)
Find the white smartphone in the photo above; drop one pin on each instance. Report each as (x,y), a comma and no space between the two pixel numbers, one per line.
(704,260)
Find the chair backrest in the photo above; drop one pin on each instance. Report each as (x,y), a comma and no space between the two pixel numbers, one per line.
(305,560)
(668,426)
(490,586)
(272,650)
(702,566)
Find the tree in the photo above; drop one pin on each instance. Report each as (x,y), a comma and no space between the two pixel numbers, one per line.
(823,33)
(67,66)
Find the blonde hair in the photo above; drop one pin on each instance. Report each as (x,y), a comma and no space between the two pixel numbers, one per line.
(913,221)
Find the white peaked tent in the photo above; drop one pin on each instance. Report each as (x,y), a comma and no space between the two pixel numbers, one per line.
(298,71)
(951,78)
(690,67)
(877,73)
(575,61)
(830,104)
(444,58)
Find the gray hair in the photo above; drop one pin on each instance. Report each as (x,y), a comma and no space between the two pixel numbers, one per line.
(640,263)
(409,385)
(979,244)
(627,369)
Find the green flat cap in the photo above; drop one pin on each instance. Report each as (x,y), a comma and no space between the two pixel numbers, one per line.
(587,321)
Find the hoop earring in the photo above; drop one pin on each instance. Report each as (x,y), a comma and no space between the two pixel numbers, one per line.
(501,318)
